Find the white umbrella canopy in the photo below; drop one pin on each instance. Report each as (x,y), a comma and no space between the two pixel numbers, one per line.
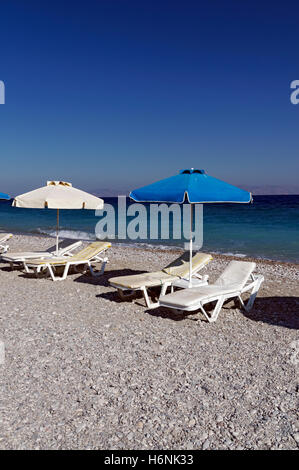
(58,195)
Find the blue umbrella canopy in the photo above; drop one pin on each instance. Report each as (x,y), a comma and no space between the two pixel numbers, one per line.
(194,186)
(4,196)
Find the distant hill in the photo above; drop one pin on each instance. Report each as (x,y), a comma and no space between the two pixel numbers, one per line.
(254,189)
(271,189)
(111,192)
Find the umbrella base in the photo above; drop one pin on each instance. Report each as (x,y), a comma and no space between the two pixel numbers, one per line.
(185,283)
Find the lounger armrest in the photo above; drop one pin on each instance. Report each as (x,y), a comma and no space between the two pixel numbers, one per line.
(256,279)
(259,278)
(204,277)
(67,251)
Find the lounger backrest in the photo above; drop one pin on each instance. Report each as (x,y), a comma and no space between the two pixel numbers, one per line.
(90,251)
(87,254)
(180,267)
(236,274)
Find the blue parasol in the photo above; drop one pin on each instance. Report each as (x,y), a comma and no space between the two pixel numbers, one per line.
(195,187)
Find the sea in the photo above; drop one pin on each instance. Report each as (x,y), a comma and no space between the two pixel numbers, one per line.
(268,228)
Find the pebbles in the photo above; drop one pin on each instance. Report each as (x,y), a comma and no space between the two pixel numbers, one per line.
(83,371)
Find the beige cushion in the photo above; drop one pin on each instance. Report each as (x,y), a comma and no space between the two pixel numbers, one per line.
(136,281)
(180,267)
(86,254)
(175,270)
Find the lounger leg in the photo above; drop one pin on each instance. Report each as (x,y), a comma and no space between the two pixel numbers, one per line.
(27,270)
(212,318)
(241,301)
(146,297)
(36,270)
(164,288)
(65,272)
(58,278)
(252,297)
(99,273)
(51,272)
(149,304)
(124,296)
(256,285)
(205,314)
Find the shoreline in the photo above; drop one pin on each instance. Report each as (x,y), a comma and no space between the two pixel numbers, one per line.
(161,248)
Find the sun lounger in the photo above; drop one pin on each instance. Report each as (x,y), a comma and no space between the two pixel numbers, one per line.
(89,255)
(235,280)
(178,270)
(4,237)
(66,248)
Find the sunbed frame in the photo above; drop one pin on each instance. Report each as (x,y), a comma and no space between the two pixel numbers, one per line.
(252,285)
(50,265)
(126,294)
(22,256)
(167,280)
(4,237)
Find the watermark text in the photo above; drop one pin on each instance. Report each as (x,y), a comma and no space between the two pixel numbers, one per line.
(151,222)
(295,94)
(2,92)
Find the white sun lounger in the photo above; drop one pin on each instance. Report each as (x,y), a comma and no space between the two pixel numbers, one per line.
(235,280)
(177,270)
(89,255)
(66,248)
(4,237)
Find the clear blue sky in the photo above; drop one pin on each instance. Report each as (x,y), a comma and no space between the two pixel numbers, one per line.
(117,94)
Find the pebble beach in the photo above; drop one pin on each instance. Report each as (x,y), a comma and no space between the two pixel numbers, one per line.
(85,370)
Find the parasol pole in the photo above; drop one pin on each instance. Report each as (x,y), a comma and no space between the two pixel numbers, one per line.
(190,245)
(57,232)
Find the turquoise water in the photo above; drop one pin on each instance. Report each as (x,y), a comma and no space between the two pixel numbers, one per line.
(268,228)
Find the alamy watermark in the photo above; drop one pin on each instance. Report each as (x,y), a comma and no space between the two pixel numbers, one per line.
(295,94)
(2,92)
(151,222)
